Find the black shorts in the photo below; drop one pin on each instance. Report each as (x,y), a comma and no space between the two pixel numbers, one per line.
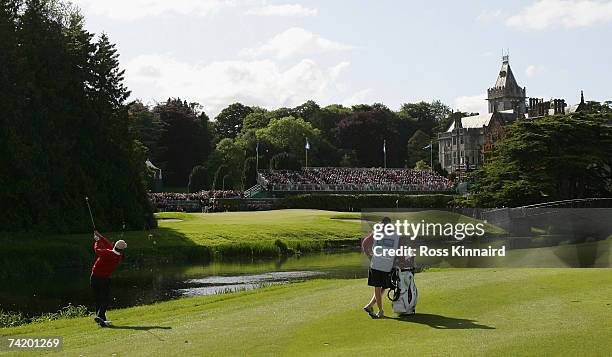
(381,279)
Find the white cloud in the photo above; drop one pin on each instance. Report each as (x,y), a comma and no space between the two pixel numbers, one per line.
(283,10)
(129,10)
(294,42)
(217,84)
(545,14)
(357,98)
(534,70)
(472,104)
(490,15)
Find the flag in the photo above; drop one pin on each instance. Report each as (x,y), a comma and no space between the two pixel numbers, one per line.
(427,147)
(307,146)
(257,148)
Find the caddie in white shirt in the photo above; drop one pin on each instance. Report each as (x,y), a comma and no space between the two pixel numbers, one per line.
(381,265)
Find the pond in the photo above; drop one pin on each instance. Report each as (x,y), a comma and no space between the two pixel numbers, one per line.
(144,285)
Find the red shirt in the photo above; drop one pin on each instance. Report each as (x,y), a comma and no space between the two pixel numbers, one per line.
(107,259)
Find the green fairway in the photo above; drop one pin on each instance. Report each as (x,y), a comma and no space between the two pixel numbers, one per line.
(461,312)
(238,227)
(292,226)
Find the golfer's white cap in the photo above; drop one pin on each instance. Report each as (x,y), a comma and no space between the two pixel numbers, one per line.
(120,244)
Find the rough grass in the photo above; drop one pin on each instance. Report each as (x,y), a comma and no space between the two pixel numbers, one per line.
(513,312)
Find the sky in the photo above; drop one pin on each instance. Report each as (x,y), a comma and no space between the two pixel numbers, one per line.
(282,53)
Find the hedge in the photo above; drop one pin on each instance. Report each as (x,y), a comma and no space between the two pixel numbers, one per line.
(357,202)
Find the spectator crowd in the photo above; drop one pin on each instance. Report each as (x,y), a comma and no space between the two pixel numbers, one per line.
(353,179)
(329,179)
(204,201)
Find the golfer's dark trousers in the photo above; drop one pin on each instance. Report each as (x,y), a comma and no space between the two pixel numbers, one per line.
(101,289)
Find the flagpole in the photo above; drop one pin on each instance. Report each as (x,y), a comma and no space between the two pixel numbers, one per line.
(306,148)
(385,152)
(431,155)
(256,160)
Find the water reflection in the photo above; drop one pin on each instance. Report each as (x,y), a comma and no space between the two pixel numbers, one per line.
(145,285)
(223,284)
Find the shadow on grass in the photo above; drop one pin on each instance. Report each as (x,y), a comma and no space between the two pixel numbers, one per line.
(141,328)
(442,322)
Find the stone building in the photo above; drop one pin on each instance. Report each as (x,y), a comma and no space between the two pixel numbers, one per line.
(463,146)
(468,140)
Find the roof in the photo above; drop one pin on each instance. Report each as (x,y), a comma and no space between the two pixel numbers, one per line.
(505,78)
(474,121)
(478,121)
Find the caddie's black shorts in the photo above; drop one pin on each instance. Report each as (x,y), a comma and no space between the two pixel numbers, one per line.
(381,279)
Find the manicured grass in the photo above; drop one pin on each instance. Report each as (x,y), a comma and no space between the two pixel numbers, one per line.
(513,312)
(234,227)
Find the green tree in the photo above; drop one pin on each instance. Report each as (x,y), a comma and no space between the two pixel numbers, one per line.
(428,116)
(232,155)
(231,119)
(365,132)
(415,150)
(289,135)
(249,174)
(307,111)
(183,143)
(284,161)
(327,119)
(146,127)
(64,132)
(553,158)
(348,159)
(198,179)
(255,120)
(421,165)
(218,178)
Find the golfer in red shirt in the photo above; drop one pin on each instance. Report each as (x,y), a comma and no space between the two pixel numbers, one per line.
(109,257)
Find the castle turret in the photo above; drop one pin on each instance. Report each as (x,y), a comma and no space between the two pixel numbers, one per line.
(582,106)
(506,94)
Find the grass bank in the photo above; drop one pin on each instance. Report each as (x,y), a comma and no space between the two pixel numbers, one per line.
(183,237)
(516,312)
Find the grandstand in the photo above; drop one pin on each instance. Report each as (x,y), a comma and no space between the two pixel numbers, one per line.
(274,184)
(340,179)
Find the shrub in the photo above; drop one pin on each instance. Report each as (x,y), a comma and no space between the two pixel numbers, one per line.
(66,312)
(357,202)
(11,319)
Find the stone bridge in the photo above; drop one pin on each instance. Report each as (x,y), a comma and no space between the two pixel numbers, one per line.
(572,219)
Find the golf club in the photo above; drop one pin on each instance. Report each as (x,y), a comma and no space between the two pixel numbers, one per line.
(90,215)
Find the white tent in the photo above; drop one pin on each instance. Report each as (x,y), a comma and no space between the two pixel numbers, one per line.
(158,171)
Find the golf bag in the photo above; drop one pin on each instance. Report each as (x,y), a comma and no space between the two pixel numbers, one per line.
(405,292)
